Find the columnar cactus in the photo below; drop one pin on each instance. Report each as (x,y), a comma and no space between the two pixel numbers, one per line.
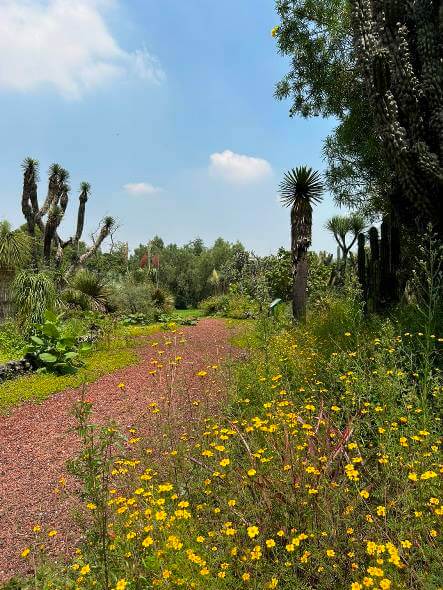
(361,264)
(378,269)
(399,51)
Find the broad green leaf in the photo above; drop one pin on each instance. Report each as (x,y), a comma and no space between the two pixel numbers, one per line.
(46,357)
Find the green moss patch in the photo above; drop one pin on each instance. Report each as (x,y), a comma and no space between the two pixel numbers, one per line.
(116,352)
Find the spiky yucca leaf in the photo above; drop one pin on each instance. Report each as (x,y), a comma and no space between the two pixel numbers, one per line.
(31,167)
(301,184)
(87,291)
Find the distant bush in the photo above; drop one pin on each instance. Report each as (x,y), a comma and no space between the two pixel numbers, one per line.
(133,298)
(213,305)
(233,305)
(241,307)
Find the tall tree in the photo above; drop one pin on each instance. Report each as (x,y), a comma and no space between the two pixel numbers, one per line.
(54,209)
(342,225)
(316,36)
(300,189)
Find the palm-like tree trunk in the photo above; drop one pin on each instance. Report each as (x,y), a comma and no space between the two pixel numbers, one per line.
(301,230)
(299,288)
(300,189)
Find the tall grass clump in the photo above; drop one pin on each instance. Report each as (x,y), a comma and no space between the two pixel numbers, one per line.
(34,293)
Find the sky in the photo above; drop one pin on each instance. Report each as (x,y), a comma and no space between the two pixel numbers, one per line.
(166,107)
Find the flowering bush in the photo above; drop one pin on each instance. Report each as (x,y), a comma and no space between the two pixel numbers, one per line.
(322,473)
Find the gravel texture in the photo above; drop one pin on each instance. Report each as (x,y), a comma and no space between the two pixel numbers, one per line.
(36,440)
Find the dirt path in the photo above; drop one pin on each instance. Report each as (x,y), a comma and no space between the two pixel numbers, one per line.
(36,440)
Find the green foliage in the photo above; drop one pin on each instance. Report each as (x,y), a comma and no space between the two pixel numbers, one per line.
(108,355)
(234,305)
(316,35)
(130,297)
(321,473)
(214,305)
(33,294)
(14,247)
(279,275)
(171,321)
(87,291)
(187,272)
(49,349)
(136,319)
(11,342)
(334,313)
(93,469)
(162,299)
(321,271)
(241,307)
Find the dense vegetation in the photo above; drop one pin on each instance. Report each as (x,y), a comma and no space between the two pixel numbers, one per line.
(323,470)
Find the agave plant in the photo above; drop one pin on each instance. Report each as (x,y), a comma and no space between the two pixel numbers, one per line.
(300,189)
(87,291)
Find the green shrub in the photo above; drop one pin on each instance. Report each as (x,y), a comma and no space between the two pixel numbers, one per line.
(11,342)
(133,298)
(214,305)
(241,307)
(234,305)
(50,349)
(33,294)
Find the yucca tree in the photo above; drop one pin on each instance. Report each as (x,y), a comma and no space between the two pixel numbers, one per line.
(341,226)
(48,217)
(300,189)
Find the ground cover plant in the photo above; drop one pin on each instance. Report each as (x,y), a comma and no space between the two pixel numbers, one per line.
(114,351)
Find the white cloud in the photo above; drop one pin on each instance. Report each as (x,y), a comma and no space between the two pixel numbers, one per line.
(66,44)
(237,168)
(141,188)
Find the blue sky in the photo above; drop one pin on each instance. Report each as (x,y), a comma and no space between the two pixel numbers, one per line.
(165,106)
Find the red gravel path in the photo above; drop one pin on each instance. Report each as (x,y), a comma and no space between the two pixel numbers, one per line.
(36,439)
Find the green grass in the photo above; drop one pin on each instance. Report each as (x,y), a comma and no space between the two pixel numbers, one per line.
(188,313)
(5,357)
(242,332)
(115,352)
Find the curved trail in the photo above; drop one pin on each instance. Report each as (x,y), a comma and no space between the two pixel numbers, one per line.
(36,440)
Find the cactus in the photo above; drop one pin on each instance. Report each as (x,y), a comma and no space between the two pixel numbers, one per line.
(373,272)
(378,269)
(397,45)
(361,264)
